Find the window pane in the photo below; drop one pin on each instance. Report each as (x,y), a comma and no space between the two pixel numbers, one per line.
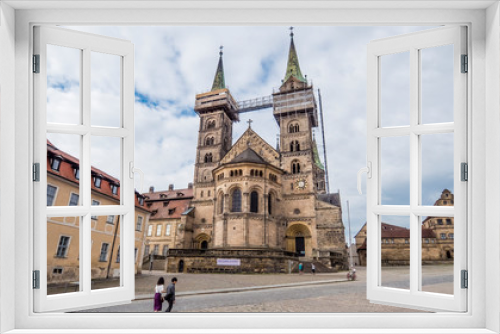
(395,170)
(105,158)
(106,258)
(105,89)
(437,84)
(437,168)
(437,254)
(63,159)
(395,89)
(395,251)
(63,255)
(63,85)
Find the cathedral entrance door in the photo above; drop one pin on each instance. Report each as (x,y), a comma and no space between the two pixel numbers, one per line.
(181,266)
(300,246)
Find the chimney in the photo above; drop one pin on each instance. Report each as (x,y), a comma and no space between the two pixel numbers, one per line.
(151,189)
(190,185)
(170,187)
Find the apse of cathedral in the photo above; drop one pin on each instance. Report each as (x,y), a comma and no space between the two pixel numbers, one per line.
(261,206)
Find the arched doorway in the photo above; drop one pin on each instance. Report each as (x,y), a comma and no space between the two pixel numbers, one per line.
(298,240)
(448,254)
(202,241)
(181,266)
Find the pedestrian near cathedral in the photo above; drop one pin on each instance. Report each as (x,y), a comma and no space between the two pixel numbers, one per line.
(301,268)
(170,296)
(313,268)
(158,299)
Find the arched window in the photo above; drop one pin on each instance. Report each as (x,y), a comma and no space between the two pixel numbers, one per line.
(251,172)
(294,146)
(210,124)
(236,201)
(260,174)
(270,204)
(204,244)
(240,172)
(208,157)
(221,203)
(201,193)
(231,173)
(293,128)
(254,202)
(295,167)
(209,141)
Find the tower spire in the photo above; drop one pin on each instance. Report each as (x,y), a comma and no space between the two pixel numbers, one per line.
(219,82)
(292,67)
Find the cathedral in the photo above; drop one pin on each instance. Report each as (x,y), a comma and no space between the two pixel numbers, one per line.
(255,207)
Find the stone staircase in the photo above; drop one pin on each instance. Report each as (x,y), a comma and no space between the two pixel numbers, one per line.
(320,267)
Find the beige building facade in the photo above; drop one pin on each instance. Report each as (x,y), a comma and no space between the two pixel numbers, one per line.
(64,233)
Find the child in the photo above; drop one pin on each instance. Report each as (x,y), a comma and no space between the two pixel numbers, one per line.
(159,289)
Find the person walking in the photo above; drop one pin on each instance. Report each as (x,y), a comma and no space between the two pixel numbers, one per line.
(301,268)
(170,296)
(313,268)
(158,299)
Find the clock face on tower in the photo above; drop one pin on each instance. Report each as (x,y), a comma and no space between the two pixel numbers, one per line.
(300,184)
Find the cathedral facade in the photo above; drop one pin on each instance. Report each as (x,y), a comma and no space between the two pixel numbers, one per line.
(257,207)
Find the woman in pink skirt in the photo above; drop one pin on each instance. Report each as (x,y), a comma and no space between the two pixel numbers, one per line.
(159,289)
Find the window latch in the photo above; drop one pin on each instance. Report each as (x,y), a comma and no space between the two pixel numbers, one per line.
(36,279)
(465,279)
(368,171)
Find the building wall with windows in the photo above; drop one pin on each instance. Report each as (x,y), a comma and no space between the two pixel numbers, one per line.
(64,233)
(167,224)
(437,239)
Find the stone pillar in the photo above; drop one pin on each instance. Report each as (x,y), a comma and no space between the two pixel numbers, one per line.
(224,231)
(265,234)
(246,208)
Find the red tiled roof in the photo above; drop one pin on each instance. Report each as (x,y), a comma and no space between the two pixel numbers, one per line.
(67,171)
(173,209)
(169,194)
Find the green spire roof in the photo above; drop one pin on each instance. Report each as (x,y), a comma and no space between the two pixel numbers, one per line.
(317,161)
(293,68)
(219,82)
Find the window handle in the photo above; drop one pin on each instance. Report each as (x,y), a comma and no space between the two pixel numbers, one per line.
(133,170)
(368,171)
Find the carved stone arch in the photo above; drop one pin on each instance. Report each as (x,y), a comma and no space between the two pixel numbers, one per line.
(220,202)
(293,126)
(210,123)
(299,235)
(235,200)
(201,240)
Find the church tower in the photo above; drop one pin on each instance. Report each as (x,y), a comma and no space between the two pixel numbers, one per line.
(217,110)
(295,111)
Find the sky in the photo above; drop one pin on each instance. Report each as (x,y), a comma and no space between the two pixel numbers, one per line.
(174,63)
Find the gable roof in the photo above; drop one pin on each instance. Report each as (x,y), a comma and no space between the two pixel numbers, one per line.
(249,155)
(248,140)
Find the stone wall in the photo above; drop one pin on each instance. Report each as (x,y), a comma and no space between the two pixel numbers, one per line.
(252,261)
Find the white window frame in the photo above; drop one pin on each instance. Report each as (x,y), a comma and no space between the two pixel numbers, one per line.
(167,230)
(150,231)
(15,111)
(138,224)
(55,193)
(158,230)
(70,196)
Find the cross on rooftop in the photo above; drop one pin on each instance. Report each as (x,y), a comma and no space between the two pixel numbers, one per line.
(249,123)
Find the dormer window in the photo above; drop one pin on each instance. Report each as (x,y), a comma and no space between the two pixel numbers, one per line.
(114,189)
(56,163)
(97,181)
(171,211)
(180,194)
(141,201)
(77,173)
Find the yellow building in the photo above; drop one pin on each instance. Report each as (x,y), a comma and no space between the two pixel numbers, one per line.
(166,225)
(63,234)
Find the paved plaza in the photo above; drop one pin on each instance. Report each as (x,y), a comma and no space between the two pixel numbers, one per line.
(320,293)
